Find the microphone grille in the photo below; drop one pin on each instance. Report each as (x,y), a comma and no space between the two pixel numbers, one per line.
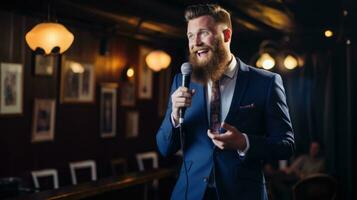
(186,68)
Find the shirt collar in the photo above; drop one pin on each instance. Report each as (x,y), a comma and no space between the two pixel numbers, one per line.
(232,67)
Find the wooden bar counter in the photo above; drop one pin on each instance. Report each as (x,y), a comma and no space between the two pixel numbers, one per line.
(90,189)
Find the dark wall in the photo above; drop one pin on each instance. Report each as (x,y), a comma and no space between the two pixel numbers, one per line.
(77,134)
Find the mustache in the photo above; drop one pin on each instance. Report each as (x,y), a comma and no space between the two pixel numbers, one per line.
(195,49)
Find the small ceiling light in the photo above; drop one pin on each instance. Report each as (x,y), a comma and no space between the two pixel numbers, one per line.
(130,72)
(328,33)
(290,62)
(157,60)
(265,61)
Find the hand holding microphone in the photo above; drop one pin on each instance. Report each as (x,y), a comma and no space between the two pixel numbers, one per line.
(182,97)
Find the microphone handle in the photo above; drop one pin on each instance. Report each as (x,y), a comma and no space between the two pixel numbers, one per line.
(185,83)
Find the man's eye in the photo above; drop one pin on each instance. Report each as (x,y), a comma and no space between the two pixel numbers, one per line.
(204,32)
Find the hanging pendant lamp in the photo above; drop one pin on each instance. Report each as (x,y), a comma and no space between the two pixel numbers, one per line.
(157,60)
(49,37)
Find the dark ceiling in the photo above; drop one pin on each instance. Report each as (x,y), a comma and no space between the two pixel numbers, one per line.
(163,19)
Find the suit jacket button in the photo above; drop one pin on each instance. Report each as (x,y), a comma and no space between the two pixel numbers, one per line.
(205,179)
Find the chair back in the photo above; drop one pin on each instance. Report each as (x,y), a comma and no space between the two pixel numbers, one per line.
(39,174)
(80,165)
(315,187)
(152,155)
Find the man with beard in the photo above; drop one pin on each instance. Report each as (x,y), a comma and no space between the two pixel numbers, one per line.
(236,116)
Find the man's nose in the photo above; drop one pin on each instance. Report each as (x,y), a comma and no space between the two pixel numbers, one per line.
(198,41)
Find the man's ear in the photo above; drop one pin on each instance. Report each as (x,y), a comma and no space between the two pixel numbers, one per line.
(227,33)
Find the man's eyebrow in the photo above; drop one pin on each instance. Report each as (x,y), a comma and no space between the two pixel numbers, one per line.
(199,30)
(203,29)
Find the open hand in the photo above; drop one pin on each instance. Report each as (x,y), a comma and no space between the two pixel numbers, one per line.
(231,139)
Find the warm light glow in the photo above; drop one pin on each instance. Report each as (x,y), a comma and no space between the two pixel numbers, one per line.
(265,61)
(157,60)
(290,62)
(49,70)
(76,67)
(328,33)
(345,13)
(130,73)
(49,35)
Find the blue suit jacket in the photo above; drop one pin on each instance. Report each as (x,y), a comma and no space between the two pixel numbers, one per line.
(258,109)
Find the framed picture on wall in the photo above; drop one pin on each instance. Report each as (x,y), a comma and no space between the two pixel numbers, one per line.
(43,126)
(127,94)
(164,90)
(132,124)
(108,109)
(77,82)
(11,88)
(145,75)
(45,65)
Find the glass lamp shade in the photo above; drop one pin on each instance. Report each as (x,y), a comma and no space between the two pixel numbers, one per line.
(290,62)
(157,60)
(48,36)
(265,61)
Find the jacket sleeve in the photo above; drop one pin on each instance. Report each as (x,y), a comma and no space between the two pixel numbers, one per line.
(278,142)
(168,137)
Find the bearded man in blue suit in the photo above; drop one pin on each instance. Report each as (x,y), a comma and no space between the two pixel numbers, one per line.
(224,161)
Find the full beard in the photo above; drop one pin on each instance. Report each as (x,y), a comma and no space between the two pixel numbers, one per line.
(211,68)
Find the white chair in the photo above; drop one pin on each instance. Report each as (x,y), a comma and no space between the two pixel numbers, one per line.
(83,165)
(152,155)
(45,173)
(140,157)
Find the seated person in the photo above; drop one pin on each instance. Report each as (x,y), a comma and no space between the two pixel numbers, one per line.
(282,180)
(305,165)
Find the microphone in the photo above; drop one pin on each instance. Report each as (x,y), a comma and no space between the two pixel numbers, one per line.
(186,70)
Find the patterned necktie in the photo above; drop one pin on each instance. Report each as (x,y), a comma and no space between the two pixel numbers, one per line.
(215,120)
(215,107)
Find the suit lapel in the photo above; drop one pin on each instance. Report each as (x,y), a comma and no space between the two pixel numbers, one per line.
(240,88)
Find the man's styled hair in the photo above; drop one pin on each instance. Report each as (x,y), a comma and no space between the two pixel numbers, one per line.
(219,14)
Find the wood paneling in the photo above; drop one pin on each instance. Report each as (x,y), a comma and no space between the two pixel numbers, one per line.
(77,134)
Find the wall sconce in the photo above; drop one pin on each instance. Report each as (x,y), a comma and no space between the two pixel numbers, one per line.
(130,72)
(127,74)
(49,38)
(157,60)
